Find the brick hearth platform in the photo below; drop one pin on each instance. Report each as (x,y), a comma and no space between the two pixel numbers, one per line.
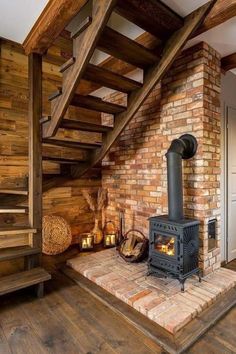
(159,299)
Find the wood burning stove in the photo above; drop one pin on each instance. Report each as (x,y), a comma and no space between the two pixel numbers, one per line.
(173,248)
(174,240)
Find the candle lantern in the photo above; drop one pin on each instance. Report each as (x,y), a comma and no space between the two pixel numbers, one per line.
(109,234)
(86,242)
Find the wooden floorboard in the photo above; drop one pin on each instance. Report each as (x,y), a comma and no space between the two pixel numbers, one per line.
(69,320)
(18,331)
(232,265)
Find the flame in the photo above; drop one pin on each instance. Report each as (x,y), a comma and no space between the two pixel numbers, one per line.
(169,247)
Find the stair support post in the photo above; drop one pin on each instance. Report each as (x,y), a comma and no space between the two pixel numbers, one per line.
(35,153)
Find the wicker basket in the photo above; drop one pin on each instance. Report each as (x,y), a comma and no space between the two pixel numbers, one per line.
(143,251)
(56,235)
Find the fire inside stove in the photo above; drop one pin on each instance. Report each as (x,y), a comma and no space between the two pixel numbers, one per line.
(165,244)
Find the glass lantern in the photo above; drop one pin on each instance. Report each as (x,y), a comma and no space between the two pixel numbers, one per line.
(109,235)
(87,242)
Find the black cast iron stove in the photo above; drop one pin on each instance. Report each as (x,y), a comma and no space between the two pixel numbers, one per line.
(174,240)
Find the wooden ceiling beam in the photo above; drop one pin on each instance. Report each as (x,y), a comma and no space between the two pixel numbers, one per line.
(228,62)
(52,21)
(222,11)
(58,13)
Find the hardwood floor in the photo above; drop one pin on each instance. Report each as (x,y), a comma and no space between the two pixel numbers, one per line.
(69,320)
(232,265)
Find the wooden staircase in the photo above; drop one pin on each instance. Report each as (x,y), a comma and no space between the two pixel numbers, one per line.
(24,239)
(21,242)
(171,32)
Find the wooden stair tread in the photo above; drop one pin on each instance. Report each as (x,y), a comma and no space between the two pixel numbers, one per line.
(110,79)
(71,144)
(22,280)
(13,230)
(16,252)
(61,160)
(124,48)
(151,15)
(96,104)
(13,191)
(52,174)
(13,210)
(81,27)
(51,98)
(89,127)
(67,64)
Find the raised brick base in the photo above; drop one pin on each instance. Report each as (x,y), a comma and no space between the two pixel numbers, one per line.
(159,299)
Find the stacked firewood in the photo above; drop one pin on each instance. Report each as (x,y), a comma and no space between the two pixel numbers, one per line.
(132,246)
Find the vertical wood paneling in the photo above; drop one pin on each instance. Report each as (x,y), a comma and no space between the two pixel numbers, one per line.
(66,201)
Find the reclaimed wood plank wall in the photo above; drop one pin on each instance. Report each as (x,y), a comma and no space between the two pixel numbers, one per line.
(67,200)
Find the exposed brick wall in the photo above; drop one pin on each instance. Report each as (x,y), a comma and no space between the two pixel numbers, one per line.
(134,172)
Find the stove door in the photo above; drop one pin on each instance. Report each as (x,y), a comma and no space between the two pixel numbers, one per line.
(165,244)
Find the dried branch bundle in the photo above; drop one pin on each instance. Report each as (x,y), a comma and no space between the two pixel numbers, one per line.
(88,197)
(100,202)
(102,198)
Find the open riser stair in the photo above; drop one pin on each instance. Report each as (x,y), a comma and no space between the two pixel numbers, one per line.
(93,32)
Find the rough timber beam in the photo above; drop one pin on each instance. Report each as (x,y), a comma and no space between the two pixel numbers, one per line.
(154,75)
(58,13)
(84,48)
(222,11)
(54,18)
(228,62)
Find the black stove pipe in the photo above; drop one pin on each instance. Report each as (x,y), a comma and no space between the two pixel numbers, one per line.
(183,148)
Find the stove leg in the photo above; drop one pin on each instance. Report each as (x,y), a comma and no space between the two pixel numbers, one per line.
(199,277)
(182,281)
(149,272)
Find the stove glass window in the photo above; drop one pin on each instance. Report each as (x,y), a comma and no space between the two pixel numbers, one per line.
(165,244)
